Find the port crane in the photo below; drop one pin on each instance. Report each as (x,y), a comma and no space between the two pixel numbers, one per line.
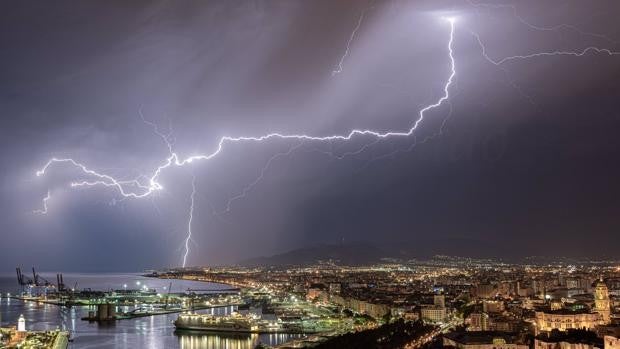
(21,279)
(39,281)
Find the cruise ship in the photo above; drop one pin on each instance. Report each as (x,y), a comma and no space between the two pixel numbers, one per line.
(249,324)
(231,323)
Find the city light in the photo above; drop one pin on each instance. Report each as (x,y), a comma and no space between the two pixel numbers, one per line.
(431,249)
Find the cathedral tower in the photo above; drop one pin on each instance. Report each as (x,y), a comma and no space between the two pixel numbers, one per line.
(601,301)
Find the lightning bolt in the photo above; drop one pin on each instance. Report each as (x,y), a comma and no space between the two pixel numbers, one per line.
(580,53)
(500,63)
(591,49)
(152,184)
(142,187)
(555,28)
(414,144)
(351,38)
(167,138)
(189,221)
(249,187)
(43,210)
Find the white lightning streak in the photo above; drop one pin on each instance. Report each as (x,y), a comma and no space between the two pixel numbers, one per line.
(141,190)
(591,49)
(249,187)
(189,222)
(504,70)
(415,142)
(351,38)
(348,153)
(45,200)
(575,53)
(164,137)
(555,28)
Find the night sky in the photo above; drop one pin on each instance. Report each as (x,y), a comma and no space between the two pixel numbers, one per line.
(522,160)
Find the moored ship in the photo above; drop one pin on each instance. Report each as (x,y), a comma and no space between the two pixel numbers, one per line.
(207,322)
(249,323)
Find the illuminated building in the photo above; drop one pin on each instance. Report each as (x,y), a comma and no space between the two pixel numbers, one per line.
(317,294)
(478,322)
(601,301)
(556,304)
(489,306)
(572,339)
(433,313)
(563,320)
(611,342)
(375,310)
(436,312)
(486,290)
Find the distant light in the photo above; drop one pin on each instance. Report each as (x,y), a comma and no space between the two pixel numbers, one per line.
(138,283)
(450,19)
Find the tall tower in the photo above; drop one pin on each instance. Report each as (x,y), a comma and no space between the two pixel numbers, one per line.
(601,301)
(439,300)
(21,324)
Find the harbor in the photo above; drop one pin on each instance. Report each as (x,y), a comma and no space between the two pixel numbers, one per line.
(141,329)
(183,306)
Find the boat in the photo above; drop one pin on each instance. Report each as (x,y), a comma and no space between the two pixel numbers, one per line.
(206,322)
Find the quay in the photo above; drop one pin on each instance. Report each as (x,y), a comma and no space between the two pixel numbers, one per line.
(19,337)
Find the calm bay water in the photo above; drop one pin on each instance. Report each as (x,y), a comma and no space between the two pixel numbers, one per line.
(147,332)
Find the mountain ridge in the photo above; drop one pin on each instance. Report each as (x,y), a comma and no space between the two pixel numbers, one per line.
(360,253)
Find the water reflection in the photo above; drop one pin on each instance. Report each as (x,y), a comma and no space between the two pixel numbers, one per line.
(196,341)
(190,340)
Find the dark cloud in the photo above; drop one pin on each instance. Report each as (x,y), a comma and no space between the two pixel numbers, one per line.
(528,157)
